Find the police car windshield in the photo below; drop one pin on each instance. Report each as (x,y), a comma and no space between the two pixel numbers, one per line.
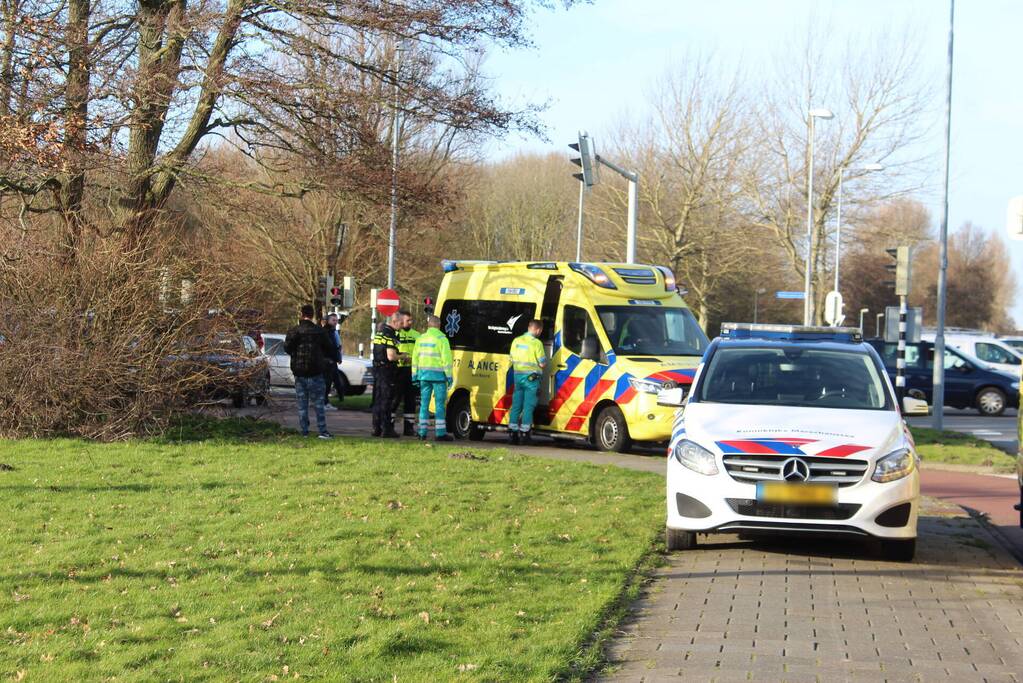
(801,377)
(652,331)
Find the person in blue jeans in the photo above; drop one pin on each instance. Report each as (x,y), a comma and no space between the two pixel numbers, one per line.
(309,347)
(528,360)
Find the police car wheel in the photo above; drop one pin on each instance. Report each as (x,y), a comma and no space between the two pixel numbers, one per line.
(679,539)
(610,433)
(991,402)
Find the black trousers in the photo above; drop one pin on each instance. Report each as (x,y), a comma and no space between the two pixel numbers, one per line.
(332,378)
(384,376)
(406,395)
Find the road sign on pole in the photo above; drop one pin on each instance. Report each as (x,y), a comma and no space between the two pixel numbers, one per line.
(833,309)
(789,295)
(387,302)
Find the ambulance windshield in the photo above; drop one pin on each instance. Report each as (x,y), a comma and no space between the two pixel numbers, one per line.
(652,331)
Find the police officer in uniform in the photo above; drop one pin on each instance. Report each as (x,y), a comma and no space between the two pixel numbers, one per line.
(528,360)
(385,370)
(407,393)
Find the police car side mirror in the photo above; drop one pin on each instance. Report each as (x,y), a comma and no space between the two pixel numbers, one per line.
(915,406)
(590,349)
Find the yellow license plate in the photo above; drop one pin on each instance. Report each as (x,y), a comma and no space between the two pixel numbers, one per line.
(796,494)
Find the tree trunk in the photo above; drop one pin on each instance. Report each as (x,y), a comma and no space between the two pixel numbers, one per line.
(76,112)
(9,10)
(161,37)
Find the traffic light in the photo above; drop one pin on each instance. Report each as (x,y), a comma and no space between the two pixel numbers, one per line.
(900,269)
(326,286)
(335,301)
(585,161)
(428,306)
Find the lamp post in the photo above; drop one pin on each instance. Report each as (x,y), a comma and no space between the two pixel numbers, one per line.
(862,311)
(756,301)
(877,330)
(819,113)
(938,378)
(867,168)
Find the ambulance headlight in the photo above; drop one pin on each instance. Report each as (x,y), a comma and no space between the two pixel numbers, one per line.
(646,386)
(695,457)
(895,465)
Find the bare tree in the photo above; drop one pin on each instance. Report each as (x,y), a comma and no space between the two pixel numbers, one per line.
(878,102)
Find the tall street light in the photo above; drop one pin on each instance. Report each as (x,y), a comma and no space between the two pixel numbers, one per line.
(938,379)
(866,168)
(863,311)
(818,113)
(756,301)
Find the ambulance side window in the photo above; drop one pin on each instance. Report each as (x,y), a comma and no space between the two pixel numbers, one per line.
(576,326)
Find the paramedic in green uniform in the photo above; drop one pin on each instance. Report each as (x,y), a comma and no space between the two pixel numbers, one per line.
(431,368)
(528,360)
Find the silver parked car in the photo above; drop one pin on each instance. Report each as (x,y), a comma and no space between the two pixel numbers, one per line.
(356,373)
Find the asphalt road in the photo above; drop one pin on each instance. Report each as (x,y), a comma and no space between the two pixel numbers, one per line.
(1000,431)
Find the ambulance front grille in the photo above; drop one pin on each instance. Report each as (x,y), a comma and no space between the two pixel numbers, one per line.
(637,276)
(749,469)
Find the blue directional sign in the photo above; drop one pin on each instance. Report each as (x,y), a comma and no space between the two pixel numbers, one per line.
(789,295)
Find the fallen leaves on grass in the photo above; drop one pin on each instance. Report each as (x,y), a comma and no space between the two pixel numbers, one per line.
(4,467)
(467,455)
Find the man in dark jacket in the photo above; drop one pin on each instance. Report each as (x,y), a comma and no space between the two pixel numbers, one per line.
(308,347)
(331,374)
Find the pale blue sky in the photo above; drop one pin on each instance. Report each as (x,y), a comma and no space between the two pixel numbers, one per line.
(595,63)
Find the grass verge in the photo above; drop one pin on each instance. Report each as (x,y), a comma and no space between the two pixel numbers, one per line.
(956,448)
(348,560)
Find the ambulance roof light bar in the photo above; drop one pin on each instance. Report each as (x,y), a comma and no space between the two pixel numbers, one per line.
(790,332)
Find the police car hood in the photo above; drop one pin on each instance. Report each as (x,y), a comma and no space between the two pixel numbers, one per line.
(788,431)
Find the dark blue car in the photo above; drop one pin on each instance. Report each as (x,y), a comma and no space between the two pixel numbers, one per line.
(969,382)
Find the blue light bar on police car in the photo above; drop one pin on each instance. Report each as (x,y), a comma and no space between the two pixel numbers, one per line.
(790,332)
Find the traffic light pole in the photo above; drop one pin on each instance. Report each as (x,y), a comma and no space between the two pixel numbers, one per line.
(579,227)
(900,361)
(630,232)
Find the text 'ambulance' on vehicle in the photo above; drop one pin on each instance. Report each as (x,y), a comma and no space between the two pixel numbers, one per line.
(623,347)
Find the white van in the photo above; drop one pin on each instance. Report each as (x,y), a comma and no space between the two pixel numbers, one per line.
(994,352)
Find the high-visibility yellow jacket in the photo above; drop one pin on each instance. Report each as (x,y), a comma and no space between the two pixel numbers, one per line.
(431,356)
(527,354)
(406,342)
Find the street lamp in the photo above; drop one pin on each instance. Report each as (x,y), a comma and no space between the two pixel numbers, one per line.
(877,331)
(756,297)
(862,311)
(818,113)
(866,168)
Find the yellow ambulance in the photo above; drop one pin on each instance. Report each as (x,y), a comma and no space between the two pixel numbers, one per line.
(623,347)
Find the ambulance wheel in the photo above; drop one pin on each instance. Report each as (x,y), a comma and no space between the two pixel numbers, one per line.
(460,423)
(679,539)
(610,433)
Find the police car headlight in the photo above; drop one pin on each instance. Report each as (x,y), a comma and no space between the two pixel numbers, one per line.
(895,465)
(695,457)
(646,386)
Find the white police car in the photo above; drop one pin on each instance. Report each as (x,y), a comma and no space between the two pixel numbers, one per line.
(793,430)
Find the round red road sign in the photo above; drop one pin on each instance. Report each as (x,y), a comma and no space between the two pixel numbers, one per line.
(387,301)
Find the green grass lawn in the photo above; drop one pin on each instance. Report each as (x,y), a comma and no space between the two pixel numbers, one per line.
(363,402)
(285,557)
(956,448)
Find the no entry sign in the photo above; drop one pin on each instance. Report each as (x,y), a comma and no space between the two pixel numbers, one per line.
(387,301)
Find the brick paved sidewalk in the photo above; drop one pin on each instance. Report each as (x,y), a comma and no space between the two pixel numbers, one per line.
(813,611)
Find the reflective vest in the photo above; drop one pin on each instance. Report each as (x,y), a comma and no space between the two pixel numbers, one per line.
(527,354)
(406,342)
(432,353)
